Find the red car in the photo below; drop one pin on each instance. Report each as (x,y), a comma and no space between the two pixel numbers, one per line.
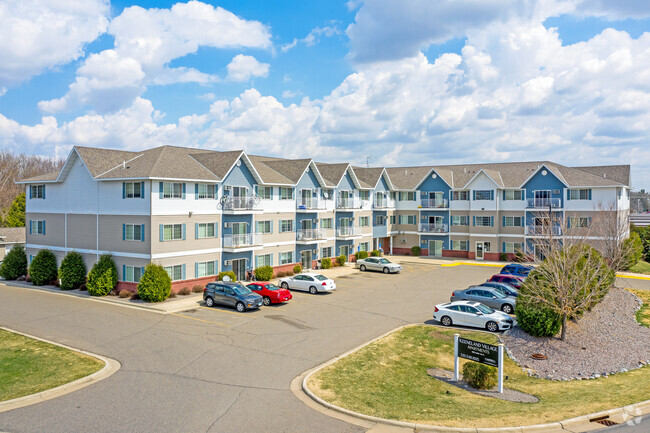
(270,293)
(514,280)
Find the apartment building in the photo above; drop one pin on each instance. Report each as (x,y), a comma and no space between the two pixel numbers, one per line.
(198,212)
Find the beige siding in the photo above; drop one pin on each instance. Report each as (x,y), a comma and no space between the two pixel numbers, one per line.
(459,229)
(275,218)
(54,229)
(110,234)
(484,230)
(190,243)
(511,230)
(494,244)
(190,262)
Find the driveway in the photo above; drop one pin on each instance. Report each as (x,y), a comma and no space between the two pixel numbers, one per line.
(213,369)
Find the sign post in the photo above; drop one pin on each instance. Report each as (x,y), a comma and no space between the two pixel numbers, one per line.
(477,351)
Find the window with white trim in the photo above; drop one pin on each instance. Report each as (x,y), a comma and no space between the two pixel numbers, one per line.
(36,227)
(512,247)
(364,221)
(460,245)
(579,194)
(132,232)
(326,223)
(483,194)
(263,226)
(263,260)
(172,232)
(175,272)
(364,195)
(380,220)
(482,221)
(392,219)
(172,190)
(459,195)
(579,222)
(37,191)
(407,219)
(265,192)
(512,194)
(407,196)
(205,269)
(286,258)
(205,191)
(326,252)
(132,274)
(286,226)
(364,246)
(512,221)
(133,189)
(286,193)
(206,230)
(460,220)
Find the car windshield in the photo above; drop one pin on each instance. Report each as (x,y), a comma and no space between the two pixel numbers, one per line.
(272,287)
(320,277)
(241,290)
(483,309)
(383,261)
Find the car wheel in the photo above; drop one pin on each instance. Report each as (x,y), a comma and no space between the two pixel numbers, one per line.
(492,326)
(313,290)
(446,320)
(363,268)
(507,308)
(386,271)
(240,307)
(284,285)
(266,301)
(209,302)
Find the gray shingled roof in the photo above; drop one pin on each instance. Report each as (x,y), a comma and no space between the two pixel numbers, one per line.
(332,173)
(12,235)
(268,174)
(47,177)
(290,169)
(615,173)
(407,177)
(99,161)
(368,176)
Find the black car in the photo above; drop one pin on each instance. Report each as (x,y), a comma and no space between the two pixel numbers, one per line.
(516,269)
(232,295)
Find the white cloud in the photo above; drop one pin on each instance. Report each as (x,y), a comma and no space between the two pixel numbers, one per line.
(41,34)
(313,37)
(242,68)
(288,94)
(207,96)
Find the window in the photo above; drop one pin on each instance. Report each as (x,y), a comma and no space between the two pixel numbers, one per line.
(579,194)
(132,274)
(512,221)
(132,232)
(512,247)
(36,227)
(264,260)
(286,226)
(204,191)
(172,232)
(364,221)
(326,223)
(37,191)
(263,226)
(407,196)
(286,258)
(511,194)
(175,272)
(460,195)
(486,246)
(326,252)
(392,219)
(172,190)
(460,220)
(482,221)
(483,194)
(206,230)
(579,222)
(205,269)
(364,246)
(133,190)
(380,220)
(407,219)
(265,192)
(364,195)
(459,245)
(286,193)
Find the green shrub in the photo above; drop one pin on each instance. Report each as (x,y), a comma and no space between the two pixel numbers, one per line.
(503,257)
(479,376)
(102,277)
(297,269)
(43,268)
(72,272)
(231,274)
(537,321)
(416,250)
(374,253)
(359,255)
(14,264)
(326,263)
(633,251)
(155,284)
(341,260)
(264,273)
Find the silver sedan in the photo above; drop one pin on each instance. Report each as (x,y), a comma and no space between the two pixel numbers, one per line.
(486,296)
(474,314)
(377,264)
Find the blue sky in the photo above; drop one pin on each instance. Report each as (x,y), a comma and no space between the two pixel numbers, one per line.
(417,82)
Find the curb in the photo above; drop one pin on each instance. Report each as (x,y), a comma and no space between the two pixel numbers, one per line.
(578,424)
(110,367)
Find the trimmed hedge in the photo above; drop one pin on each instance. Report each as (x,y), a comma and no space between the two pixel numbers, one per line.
(479,376)
(231,274)
(341,260)
(72,272)
(102,277)
(359,255)
(43,269)
(155,284)
(326,263)
(264,273)
(537,321)
(14,264)
(297,269)
(375,253)
(416,250)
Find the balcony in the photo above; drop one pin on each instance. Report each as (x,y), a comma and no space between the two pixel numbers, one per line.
(543,230)
(240,203)
(348,203)
(543,203)
(382,204)
(309,203)
(434,203)
(347,232)
(303,235)
(242,241)
(433,228)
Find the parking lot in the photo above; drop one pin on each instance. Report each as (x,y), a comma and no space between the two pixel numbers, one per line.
(214,369)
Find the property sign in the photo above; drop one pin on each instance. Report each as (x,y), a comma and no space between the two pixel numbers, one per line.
(478,352)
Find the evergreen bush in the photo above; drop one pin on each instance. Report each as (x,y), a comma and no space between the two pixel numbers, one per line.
(416,250)
(102,277)
(72,272)
(326,263)
(43,268)
(264,273)
(479,376)
(537,321)
(374,253)
(341,260)
(297,269)
(155,284)
(359,255)
(231,274)
(14,264)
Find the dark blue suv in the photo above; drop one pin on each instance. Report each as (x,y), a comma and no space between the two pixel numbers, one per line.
(516,269)
(231,294)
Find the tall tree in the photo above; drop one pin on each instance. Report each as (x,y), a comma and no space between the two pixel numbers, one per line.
(16,214)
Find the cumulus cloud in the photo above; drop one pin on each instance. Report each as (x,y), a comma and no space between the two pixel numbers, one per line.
(40,34)
(242,68)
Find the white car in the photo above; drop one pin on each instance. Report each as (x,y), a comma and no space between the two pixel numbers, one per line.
(471,313)
(377,264)
(311,282)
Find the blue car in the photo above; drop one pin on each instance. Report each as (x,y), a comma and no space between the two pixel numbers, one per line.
(516,269)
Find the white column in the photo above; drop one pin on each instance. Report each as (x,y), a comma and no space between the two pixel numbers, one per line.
(456,360)
(501,368)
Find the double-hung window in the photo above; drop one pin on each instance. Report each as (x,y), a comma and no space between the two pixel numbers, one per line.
(172,190)
(482,221)
(579,194)
(512,194)
(364,246)
(286,258)
(407,219)
(286,193)
(264,260)
(36,227)
(172,232)
(133,190)
(326,252)
(205,191)
(512,221)
(512,247)
(364,195)
(206,230)
(265,192)
(483,194)
(459,245)
(407,196)
(263,226)
(326,223)
(459,195)
(286,226)
(460,220)
(205,269)
(380,220)
(579,222)
(133,232)
(37,191)
(175,272)
(392,219)
(364,221)
(132,274)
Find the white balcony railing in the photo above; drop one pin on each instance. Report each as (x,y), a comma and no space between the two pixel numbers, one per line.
(348,203)
(543,230)
(347,231)
(431,203)
(383,204)
(309,234)
(543,203)
(433,228)
(309,203)
(243,240)
(240,203)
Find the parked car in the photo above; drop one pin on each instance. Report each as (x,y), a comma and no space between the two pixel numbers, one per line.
(516,269)
(231,294)
(468,313)
(308,281)
(378,264)
(270,293)
(504,288)
(486,296)
(514,280)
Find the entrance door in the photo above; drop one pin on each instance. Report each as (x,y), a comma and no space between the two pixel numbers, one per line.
(435,248)
(345,250)
(239,268)
(542,198)
(435,224)
(345,226)
(239,234)
(305,195)
(480,248)
(435,198)
(305,259)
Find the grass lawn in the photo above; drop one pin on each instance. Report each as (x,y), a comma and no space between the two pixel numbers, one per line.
(28,366)
(389,379)
(643,315)
(642,267)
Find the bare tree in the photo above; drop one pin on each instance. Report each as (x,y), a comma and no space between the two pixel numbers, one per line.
(611,227)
